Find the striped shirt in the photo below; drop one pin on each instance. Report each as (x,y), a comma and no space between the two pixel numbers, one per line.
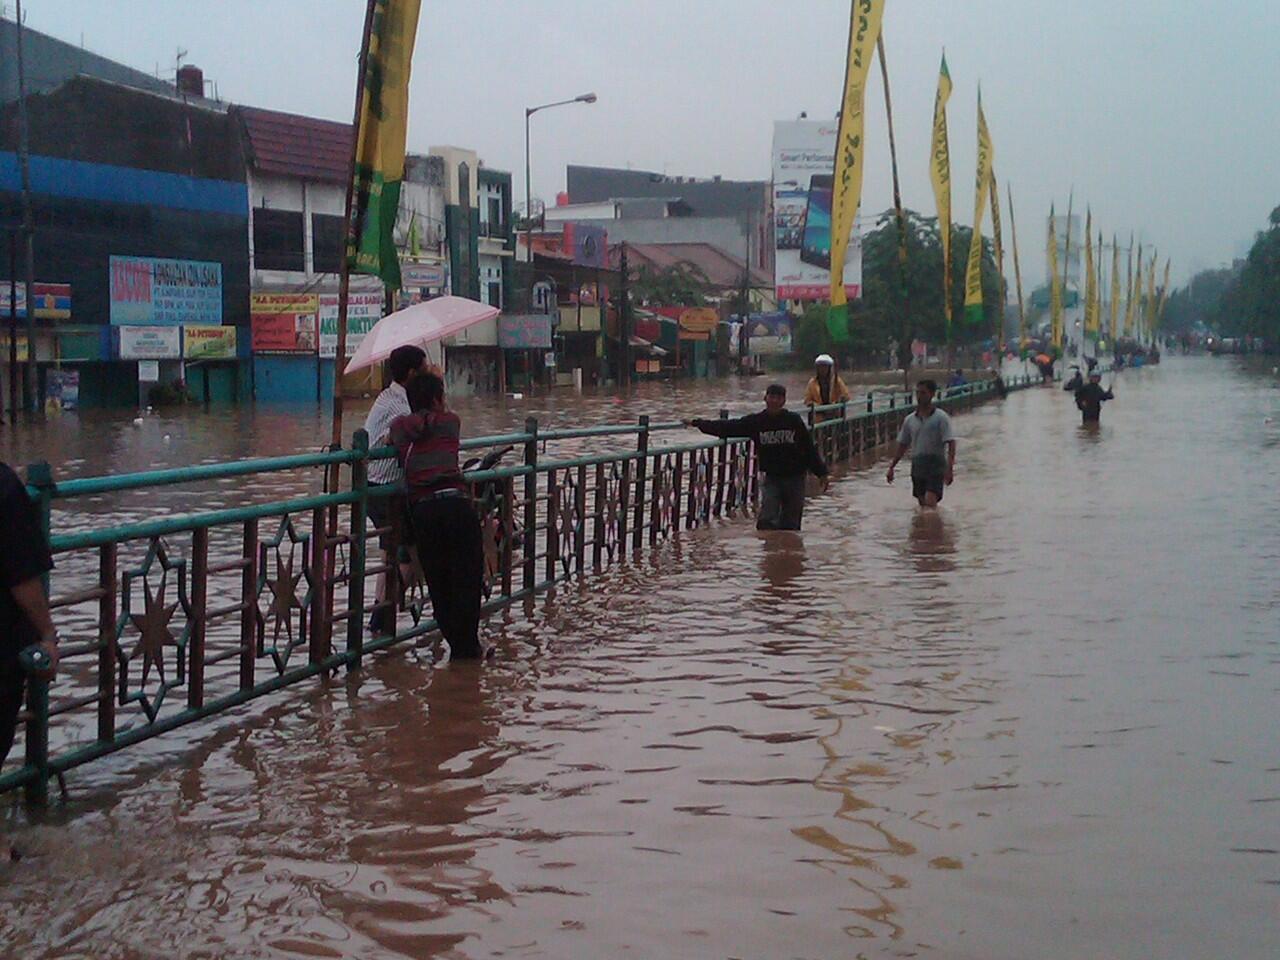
(427,446)
(391,403)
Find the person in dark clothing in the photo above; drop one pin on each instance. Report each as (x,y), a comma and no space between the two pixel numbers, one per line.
(445,525)
(1089,398)
(786,453)
(1075,383)
(24,609)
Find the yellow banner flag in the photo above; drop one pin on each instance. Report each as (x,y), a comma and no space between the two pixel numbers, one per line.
(864,29)
(1090,278)
(940,173)
(380,139)
(1164,291)
(1151,293)
(1115,287)
(998,243)
(973,312)
(1135,294)
(1055,284)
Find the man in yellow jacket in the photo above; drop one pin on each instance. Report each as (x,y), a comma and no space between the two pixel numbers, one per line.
(825,387)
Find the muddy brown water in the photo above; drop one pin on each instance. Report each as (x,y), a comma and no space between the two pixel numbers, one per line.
(1040,723)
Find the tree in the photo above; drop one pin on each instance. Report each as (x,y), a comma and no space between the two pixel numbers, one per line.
(1249,304)
(679,285)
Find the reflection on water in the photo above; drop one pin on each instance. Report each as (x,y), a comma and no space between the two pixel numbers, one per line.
(1043,714)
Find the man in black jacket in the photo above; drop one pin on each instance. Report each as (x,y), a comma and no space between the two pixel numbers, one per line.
(786,452)
(1089,398)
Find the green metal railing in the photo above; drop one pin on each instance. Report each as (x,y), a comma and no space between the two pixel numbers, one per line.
(171,620)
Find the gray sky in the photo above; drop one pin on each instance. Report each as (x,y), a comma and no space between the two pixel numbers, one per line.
(1161,113)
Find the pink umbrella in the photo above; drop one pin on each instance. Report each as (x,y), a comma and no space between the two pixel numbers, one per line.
(418,325)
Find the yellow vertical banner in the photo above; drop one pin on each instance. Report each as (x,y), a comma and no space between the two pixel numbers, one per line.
(1151,294)
(940,174)
(1115,287)
(1164,291)
(1017,274)
(864,28)
(1055,284)
(1090,278)
(973,311)
(1135,295)
(998,243)
(380,140)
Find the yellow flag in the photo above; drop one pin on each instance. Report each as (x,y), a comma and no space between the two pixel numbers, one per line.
(1115,287)
(380,139)
(973,312)
(998,243)
(1151,293)
(1090,278)
(1055,286)
(940,173)
(864,28)
(1164,291)
(1135,294)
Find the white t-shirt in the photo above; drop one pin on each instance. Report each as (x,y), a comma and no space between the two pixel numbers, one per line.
(929,437)
(391,403)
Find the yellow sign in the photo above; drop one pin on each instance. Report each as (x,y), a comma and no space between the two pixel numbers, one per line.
(699,320)
(864,29)
(973,311)
(208,343)
(4,348)
(940,173)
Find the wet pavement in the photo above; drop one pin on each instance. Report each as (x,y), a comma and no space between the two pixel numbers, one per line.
(1039,723)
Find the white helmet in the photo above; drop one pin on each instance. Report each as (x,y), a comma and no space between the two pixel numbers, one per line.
(824,358)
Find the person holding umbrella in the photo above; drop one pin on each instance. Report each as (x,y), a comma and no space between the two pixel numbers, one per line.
(446,527)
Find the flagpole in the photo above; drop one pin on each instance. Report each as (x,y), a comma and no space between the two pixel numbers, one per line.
(344,275)
(1017,274)
(904,348)
(1066,256)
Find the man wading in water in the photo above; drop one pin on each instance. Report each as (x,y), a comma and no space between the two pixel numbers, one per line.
(1089,399)
(787,453)
(927,434)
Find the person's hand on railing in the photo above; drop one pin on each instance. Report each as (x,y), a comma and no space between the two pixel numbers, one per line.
(41,659)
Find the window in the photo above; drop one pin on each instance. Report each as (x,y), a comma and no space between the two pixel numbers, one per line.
(277,240)
(327,242)
(496,227)
(495,295)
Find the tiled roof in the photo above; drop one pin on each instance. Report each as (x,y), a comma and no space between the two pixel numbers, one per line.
(297,146)
(722,270)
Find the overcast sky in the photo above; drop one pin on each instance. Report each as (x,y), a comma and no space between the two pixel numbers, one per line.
(1162,114)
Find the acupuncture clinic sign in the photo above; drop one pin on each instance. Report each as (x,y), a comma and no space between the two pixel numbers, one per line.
(146,291)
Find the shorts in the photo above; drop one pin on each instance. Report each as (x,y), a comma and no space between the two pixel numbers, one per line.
(928,475)
(393,512)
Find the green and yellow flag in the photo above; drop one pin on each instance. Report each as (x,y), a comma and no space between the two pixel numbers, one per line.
(380,139)
(998,242)
(940,173)
(864,28)
(1090,278)
(1055,284)
(973,312)
(1115,287)
(1151,293)
(1135,296)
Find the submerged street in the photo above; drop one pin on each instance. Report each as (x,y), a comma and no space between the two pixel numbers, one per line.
(1039,723)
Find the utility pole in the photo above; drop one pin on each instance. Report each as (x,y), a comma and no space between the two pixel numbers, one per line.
(28,224)
(624,322)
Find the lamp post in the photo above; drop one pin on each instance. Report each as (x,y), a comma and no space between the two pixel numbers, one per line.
(528,192)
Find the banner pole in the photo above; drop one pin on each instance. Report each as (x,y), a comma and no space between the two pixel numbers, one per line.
(904,348)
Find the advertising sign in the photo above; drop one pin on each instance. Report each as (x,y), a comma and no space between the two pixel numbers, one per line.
(587,244)
(363,311)
(803,160)
(149,371)
(699,320)
(52,300)
(768,334)
(208,343)
(413,275)
(165,292)
(150,343)
(283,322)
(62,389)
(524,331)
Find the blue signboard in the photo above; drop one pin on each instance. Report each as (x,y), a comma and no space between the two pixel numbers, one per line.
(151,292)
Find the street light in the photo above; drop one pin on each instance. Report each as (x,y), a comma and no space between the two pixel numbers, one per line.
(528,192)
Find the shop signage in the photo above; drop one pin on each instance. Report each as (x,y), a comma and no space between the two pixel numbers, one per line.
(414,275)
(52,300)
(4,348)
(524,331)
(150,343)
(165,292)
(208,343)
(148,371)
(363,311)
(283,323)
(702,320)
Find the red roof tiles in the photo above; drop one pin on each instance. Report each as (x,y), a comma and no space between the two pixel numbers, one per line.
(297,146)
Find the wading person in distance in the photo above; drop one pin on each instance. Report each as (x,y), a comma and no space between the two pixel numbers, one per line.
(1089,399)
(390,511)
(927,434)
(826,386)
(446,528)
(787,453)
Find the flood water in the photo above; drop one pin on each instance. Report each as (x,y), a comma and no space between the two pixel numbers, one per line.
(1040,723)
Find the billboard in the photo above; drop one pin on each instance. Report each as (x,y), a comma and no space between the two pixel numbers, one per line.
(524,331)
(803,161)
(363,311)
(146,291)
(768,334)
(208,343)
(53,300)
(150,343)
(283,323)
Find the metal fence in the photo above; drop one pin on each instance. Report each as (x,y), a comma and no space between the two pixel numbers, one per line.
(176,618)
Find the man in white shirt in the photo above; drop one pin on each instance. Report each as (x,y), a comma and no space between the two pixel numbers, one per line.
(390,511)
(927,434)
